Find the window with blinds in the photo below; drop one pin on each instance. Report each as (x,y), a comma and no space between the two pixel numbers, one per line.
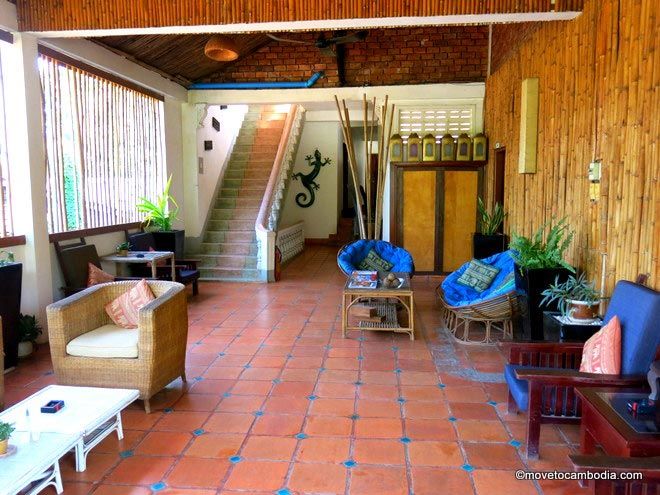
(104,146)
(6,224)
(437,121)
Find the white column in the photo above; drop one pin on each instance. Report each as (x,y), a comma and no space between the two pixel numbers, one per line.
(190,178)
(27,162)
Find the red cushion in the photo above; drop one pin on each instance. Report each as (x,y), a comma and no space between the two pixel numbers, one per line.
(124,310)
(602,352)
(97,276)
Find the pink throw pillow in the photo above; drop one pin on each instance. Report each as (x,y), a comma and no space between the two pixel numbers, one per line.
(602,352)
(97,276)
(124,310)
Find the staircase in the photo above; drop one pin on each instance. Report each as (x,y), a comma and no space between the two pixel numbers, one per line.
(229,250)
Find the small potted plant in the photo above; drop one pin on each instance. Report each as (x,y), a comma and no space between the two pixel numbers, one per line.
(5,432)
(539,260)
(158,218)
(123,248)
(576,298)
(29,330)
(489,240)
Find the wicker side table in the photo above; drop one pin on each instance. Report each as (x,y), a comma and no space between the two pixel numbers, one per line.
(386,301)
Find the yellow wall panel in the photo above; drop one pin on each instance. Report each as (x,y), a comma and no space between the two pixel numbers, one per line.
(419,194)
(461,191)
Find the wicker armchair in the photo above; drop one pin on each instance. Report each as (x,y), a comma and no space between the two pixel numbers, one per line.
(2,371)
(162,336)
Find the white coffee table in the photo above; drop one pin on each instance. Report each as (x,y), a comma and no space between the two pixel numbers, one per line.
(89,415)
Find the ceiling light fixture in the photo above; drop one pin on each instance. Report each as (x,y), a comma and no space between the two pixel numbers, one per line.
(221,48)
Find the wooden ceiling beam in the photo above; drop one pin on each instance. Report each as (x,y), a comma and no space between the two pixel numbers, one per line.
(83,18)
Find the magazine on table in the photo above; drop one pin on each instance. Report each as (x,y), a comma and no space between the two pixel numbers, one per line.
(363,279)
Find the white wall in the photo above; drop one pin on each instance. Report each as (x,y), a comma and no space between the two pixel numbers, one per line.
(320,218)
(214,161)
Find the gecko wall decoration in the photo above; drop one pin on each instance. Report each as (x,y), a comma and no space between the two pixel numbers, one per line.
(305,200)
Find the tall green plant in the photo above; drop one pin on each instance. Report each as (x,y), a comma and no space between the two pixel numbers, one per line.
(158,213)
(489,224)
(543,250)
(28,328)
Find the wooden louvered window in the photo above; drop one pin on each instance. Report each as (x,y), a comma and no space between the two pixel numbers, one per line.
(437,121)
(6,223)
(104,145)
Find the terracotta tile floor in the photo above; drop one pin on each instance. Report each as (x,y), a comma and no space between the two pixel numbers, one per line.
(278,402)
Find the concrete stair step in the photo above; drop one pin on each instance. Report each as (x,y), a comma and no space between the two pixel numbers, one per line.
(247,173)
(234,192)
(226,261)
(234,214)
(230,248)
(244,183)
(238,202)
(229,274)
(244,225)
(230,236)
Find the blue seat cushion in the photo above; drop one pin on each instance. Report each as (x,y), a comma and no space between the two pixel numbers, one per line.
(519,388)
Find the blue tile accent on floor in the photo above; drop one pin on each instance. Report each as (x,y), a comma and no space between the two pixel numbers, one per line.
(395,348)
(199,342)
(349,463)
(321,369)
(277,380)
(401,400)
(358,383)
(301,436)
(355,416)
(126,453)
(289,356)
(515,443)
(283,491)
(398,370)
(198,378)
(405,440)
(48,373)
(247,366)
(235,459)
(360,358)
(312,397)
(226,394)
(328,347)
(452,418)
(156,487)
(258,413)
(362,339)
(168,410)
(198,432)
(467,467)
(441,385)
(492,403)
(221,354)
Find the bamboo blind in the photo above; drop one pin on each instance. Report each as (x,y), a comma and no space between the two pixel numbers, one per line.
(104,148)
(56,15)
(6,222)
(599,79)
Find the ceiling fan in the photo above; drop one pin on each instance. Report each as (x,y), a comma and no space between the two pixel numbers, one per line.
(325,44)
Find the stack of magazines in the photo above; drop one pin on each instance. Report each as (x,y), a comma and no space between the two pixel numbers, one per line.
(363,279)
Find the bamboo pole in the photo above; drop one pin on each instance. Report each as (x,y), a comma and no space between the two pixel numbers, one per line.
(352,167)
(367,169)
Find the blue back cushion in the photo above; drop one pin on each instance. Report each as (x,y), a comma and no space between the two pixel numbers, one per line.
(352,254)
(638,308)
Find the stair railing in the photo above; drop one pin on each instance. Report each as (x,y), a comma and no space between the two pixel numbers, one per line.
(272,202)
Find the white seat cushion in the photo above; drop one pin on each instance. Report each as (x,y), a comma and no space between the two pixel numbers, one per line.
(108,341)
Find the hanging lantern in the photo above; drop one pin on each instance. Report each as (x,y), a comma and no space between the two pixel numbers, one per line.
(479,147)
(221,48)
(396,148)
(414,145)
(447,148)
(464,148)
(428,143)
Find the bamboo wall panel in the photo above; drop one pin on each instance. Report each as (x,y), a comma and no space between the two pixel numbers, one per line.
(57,15)
(599,84)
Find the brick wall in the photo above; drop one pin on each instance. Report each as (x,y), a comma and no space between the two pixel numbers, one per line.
(387,57)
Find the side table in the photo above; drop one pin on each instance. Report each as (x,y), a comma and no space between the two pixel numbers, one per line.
(557,328)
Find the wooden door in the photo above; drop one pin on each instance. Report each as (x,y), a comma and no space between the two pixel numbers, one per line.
(419,217)
(459,217)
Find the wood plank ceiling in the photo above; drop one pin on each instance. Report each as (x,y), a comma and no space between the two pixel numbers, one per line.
(179,57)
(72,15)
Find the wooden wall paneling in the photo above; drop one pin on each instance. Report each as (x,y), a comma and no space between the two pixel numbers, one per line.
(599,80)
(56,15)
(419,217)
(460,204)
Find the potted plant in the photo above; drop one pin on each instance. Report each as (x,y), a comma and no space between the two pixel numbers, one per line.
(11,276)
(29,330)
(158,218)
(489,240)
(123,248)
(5,432)
(540,261)
(576,298)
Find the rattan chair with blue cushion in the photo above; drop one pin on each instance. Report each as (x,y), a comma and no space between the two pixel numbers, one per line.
(350,256)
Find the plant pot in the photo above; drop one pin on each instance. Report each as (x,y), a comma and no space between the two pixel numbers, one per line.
(4,445)
(11,276)
(122,252)
(484,246)
(25,349)
(583,310)
(170,240)
(532,282)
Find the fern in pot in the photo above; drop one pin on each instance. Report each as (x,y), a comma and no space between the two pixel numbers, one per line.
(6,430)
(576,298)
(539,262)
(29,330)
(489,240)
